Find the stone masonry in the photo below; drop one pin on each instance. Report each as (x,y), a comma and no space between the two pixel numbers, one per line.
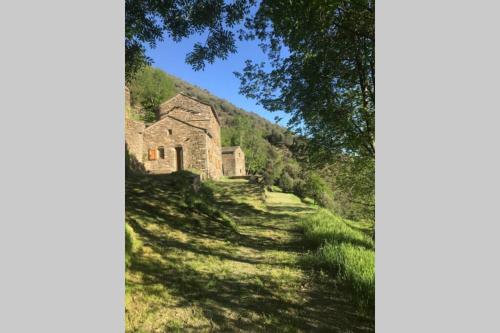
(233,161)
(134,131)
(186,137)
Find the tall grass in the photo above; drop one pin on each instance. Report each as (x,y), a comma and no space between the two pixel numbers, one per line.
(343,251)
(132,244)
(326,227)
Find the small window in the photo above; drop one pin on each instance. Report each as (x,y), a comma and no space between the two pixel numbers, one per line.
(169,132)
(161,153)
(152,154)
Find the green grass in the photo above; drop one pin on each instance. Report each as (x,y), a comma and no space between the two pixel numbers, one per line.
(281,198)
(326,227)
(132,244)
(344,251)
(197,272)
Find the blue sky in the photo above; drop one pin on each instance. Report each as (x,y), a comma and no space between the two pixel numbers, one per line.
(218,78)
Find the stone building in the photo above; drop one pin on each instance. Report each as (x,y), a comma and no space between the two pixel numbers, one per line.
(134,131)
(186,136)
(233,161)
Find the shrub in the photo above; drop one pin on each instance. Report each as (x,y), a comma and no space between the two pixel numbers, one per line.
(253,179)
(325,199)
(268,179)
(299,188)
(286,182)
(353,179)
(150,88)
(293,169)
(318,189)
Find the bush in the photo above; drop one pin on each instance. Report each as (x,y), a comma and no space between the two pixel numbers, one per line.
(299,188)
(317,188)
(150,88)
(353,179)
(268,179)
(286,182)
(253,179)
(293,169)
(325,199)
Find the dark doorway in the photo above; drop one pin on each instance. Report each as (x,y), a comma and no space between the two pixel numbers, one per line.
(178,154)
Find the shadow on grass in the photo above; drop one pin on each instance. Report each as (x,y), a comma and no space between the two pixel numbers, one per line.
(157,200)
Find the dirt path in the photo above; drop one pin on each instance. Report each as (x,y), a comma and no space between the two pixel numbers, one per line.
(197,275)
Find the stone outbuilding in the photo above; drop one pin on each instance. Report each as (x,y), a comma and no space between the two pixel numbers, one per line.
(185,137)
(233,161)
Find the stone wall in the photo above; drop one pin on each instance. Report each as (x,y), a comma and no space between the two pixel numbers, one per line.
(239,157)
(228,163)
(134,131)
(199,115)
(195,107)
(233,161)
(185,124)
(214,149)
(170,134)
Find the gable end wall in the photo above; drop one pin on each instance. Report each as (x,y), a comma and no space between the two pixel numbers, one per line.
(194,128)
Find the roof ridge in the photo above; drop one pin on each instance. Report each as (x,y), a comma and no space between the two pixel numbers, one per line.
(196,100)
(181,121)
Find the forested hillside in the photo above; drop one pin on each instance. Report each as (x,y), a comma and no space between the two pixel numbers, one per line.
(346,186)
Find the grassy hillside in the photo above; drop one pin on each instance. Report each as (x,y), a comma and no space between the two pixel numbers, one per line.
(229,257)
(270,150)
(166,86)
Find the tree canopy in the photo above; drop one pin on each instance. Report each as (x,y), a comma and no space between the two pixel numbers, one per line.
(322,60)
(148,21)
(151,87)
(321,55)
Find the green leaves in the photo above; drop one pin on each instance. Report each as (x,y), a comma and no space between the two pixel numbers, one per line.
(147,21)
(321,71)
(326,79)
(242,132)
(149,89)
